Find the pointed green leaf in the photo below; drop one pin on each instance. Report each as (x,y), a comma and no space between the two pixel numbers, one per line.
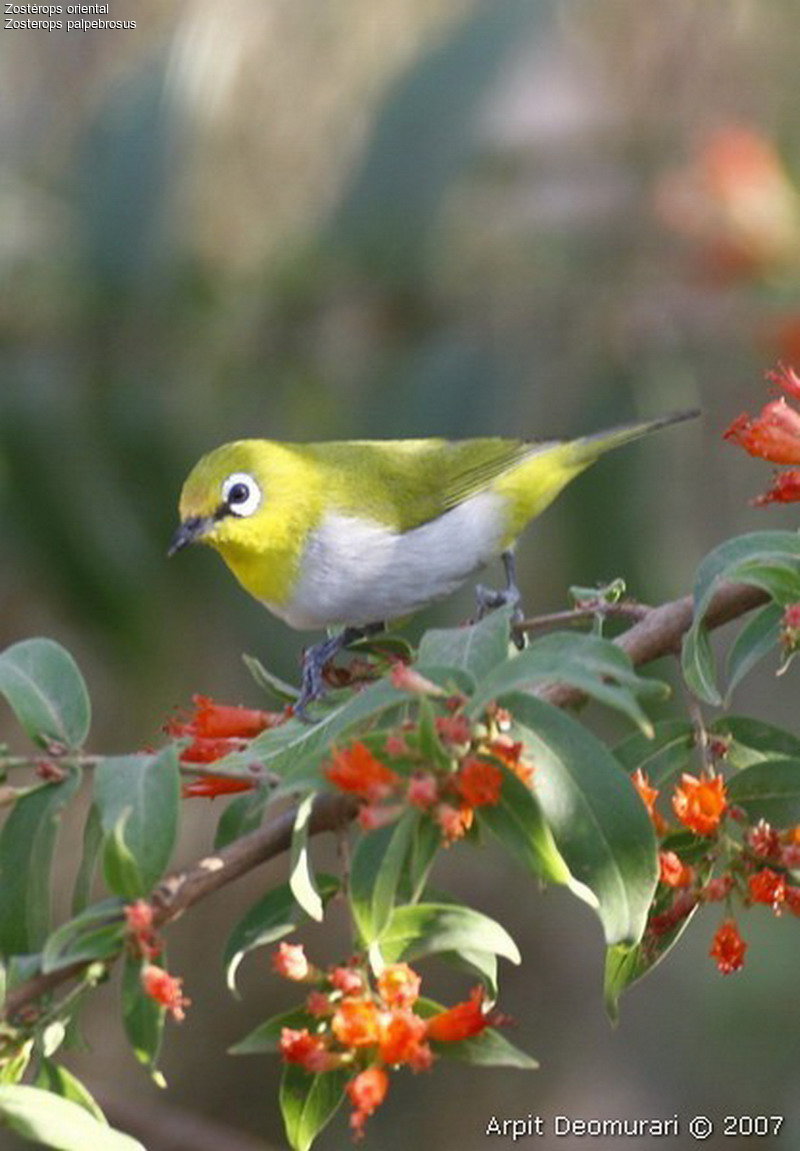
(475,649)
(275,915)
(120,869)
(768,790)
(594,666)
(753,740)
(309,1102)
(489,1049)
(142,1018)
(53,1077)
(27,842)
(422,929)
(518,823)
(375,873)
(92,839)
(137,798)
(770,560)
(661,757)
(301,877)
(46,691)
(270,683)
(97,933)
(48,1119)
(758,637)
(600,826)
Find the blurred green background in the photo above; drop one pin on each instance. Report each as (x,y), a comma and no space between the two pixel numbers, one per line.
(315,220)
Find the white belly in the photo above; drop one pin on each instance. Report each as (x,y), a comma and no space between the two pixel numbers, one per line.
(357,571)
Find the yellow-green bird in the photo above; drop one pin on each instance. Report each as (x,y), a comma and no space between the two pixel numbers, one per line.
(352,534)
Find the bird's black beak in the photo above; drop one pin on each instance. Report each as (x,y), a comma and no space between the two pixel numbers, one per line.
(193,528)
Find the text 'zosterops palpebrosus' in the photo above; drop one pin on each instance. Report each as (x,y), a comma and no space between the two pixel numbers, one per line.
(351,534)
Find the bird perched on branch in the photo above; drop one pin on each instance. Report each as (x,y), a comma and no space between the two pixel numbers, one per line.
(352,534)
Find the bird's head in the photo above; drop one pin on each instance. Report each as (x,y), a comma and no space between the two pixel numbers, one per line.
(224,501)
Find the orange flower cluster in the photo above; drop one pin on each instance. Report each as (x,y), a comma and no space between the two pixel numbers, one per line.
(370,1027)
(467,774)
(774,435)
(754,872)
(166,990)
(216,730)
(140,932)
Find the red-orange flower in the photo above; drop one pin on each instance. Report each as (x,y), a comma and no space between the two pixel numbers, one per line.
(398,985)
(763,840)
(455,729)
(211,786)
(307,1050)
(356,770)
(785,489)
(348,980)
(356,1023)
(423,789)
(728,947)
(700,803)
(774,435)
(366,1092)
(509,752)
(223,721)
(140,929)
(205,749)
(673,871)
(767,886)
(460,1022)
(290,961)
(402,1040)
(405,678)
(455,822)
(165,989)
(479,782)
(648,796)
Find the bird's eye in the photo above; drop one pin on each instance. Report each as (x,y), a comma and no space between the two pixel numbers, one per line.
(241,494)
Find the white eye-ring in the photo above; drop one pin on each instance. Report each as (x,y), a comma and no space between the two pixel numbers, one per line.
(241,494)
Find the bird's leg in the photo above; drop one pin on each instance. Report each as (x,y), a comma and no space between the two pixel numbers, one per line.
(510,595)
(316,658)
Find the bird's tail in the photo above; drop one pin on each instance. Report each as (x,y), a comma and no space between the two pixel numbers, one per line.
(535,482)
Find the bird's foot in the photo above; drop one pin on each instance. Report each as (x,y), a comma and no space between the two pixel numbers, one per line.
(489,599)
(317,657)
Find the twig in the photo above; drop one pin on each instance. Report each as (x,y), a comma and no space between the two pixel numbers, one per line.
(625,609)
(657,634)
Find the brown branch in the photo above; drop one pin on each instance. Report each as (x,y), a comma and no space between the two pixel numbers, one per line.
(657,634)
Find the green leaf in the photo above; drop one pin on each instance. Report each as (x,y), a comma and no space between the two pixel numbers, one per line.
(142,1018)
(92,839)
(137,798)
(768,790)
(600,826)
(475,649)
(489,1049)
(53,1077)
(97,933)
(420,929)
(309,1102)
(477,964)
(301,877)
(267,1036)
(754,741)
(662,756)
(27,842)
(758,637)
(275,915)
(270,683)
(770,560)
(375,873)
(46,691)
(519,824)
(120,869)
(48,1119)
(595,666)
(243,814)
